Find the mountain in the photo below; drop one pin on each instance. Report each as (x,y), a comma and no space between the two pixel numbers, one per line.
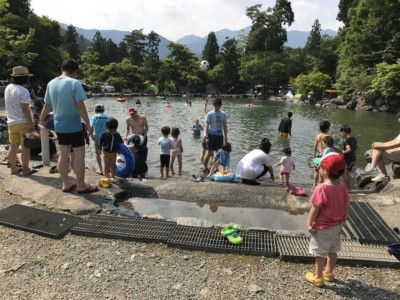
(196,43)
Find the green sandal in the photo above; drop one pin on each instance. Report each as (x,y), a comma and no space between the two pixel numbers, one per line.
(230,232)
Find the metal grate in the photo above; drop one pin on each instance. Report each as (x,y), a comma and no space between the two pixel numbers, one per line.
(255,242)
(367,226)
(46,223)
(295,248)
(145,230)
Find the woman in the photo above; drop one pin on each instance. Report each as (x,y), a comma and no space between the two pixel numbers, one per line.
(255,164)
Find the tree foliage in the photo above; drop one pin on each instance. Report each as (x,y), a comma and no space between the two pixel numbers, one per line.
(315,81)
(211,50)
(387,82)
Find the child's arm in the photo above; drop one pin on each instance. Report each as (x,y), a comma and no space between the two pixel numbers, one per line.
(311,217)
(346,212)
(347,149)
(278,164)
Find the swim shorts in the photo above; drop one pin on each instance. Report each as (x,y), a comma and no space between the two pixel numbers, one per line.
(74,139)
(214,142)
(16,133)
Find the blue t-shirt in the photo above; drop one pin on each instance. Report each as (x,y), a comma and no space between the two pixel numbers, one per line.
(196,129)
(216,120)
(98,122)
(224,158)
(166,145)
(62,94)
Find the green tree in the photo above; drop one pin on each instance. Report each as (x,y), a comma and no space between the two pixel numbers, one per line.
(152,60)
(316,82)
(70,42)
(230,63)
(211,50)
(136,43)
(314,39)
(344,7)
(387,82)
(99,45)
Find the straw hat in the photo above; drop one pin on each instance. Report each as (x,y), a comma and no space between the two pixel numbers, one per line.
(20,71)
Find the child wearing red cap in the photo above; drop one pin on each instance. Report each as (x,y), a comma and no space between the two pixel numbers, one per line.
(329,211)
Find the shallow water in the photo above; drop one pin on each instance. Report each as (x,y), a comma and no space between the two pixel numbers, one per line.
(247,126)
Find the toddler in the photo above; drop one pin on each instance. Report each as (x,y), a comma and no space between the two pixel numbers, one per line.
(177,151)
(286,164)
(166,145)
(223,158)
(196,128)
(349,152)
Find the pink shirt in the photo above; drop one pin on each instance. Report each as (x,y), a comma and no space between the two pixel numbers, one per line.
(332,201)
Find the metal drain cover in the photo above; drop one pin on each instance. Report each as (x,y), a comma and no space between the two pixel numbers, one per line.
(145,230)
(255,242)
(295,248)
(367,225)
(46,223)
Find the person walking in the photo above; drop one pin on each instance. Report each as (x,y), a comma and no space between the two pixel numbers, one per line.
(65,97)
(19,119)
(285,126)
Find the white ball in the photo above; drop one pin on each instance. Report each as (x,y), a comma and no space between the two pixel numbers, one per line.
(204,65)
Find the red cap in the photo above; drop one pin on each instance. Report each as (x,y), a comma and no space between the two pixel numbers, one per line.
(333,163)
(131,110)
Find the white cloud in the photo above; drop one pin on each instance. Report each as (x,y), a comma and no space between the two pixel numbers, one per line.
(174,19)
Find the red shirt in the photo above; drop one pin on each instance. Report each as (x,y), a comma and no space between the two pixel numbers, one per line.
(332,201)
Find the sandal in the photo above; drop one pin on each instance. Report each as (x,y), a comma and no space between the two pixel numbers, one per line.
(316,282)
(230,232)
(32,171)
(328,277)
(90,189)
(70,188)
(53,170)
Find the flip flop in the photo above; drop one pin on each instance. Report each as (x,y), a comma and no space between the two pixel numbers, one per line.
(99,173)
(90,189)
(32,171)
(70,188)
(53,170)
(18,171)
(230,232)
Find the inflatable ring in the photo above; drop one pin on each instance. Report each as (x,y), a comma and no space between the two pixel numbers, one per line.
(219,177)
(317,160)
(125,161)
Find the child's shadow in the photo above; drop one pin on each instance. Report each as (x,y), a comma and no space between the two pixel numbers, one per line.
(355,289)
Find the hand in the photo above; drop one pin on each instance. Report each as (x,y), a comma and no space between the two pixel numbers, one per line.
(272,177)
(311,229)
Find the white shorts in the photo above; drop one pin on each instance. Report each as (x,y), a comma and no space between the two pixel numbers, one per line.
(325,241)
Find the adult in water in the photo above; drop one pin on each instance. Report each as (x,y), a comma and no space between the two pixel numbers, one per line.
(137,124)
(285,126)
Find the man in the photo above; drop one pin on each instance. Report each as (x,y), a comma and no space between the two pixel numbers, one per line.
(19,119)
(65,96)
(216,131)
(137,124)
(285,126)
(384,153)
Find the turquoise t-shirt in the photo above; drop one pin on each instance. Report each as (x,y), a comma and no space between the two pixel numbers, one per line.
(216,120)
(62,94)
(98,122)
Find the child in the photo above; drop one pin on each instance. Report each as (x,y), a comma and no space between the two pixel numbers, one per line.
(286,164)
(97,127)
(319,145)
(166,145)
(196,128)
(223,158)
(177,151)
(329,211)
(109,141)
(140,154)
(329,145)
(349,152)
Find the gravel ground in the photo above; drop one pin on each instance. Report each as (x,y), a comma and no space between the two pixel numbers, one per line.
(75,267)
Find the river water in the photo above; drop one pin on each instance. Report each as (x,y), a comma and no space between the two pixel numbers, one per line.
(247,126)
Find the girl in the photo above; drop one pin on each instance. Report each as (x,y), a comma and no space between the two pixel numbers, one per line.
(176,151)
(223,158)
(286,164)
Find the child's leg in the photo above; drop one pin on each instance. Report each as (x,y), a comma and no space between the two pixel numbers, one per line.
(346,179)
(214,167)
(316,177)
(167,172)
(330,264)
(112,162)
(319,267)
(180,164)
(161,171)
(287,178)
(280,178)
(171,165)
(106,167)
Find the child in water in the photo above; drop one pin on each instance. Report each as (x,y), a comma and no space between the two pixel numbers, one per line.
(109,141)
(286,164)
(223,158)
(177,151)
(319,145)
(196,128)
(166,145)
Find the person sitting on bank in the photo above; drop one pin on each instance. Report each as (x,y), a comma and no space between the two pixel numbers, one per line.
(285,126)
(384,153)
(255,164)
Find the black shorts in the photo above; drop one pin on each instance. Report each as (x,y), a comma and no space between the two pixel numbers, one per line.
(204,144)
(74,139)
(164,159)
(214,142)
(349,166)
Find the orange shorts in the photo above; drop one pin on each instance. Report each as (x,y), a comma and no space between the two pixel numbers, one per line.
(16,133)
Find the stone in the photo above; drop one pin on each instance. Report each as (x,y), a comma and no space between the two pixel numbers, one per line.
(396,170)
(253,288)
(368,156)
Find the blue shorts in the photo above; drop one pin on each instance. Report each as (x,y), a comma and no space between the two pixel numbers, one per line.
(214,142)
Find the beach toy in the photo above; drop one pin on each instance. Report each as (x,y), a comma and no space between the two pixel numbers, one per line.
(230,232)
(248,105)
(221,177)
(317,160)
(204,65)
(104,182)
(394,249)
(125,161)
(295,190)
(168,105)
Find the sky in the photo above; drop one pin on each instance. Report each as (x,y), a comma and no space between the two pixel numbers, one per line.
(174,19)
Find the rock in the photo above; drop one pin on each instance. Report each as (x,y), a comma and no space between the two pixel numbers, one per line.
(253,288)
(368,155)
(351,104)
(384,108)
(396,170)
(177,286)
(120,211)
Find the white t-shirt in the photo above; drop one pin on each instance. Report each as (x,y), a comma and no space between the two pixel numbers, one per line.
(287,164)
(14,95)
(252,164)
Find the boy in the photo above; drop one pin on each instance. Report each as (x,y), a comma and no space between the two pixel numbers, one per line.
(166,145)
(97,127)
(109,144)
(329,211)
(319,145)
(349,152)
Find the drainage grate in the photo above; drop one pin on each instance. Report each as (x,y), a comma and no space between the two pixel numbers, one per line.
(255,242)
(144,230)
(46,223)
(367,226)
(295,248)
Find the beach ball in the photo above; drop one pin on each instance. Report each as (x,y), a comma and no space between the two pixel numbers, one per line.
(204,65)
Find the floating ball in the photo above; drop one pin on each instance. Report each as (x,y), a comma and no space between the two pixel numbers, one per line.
(204,65)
